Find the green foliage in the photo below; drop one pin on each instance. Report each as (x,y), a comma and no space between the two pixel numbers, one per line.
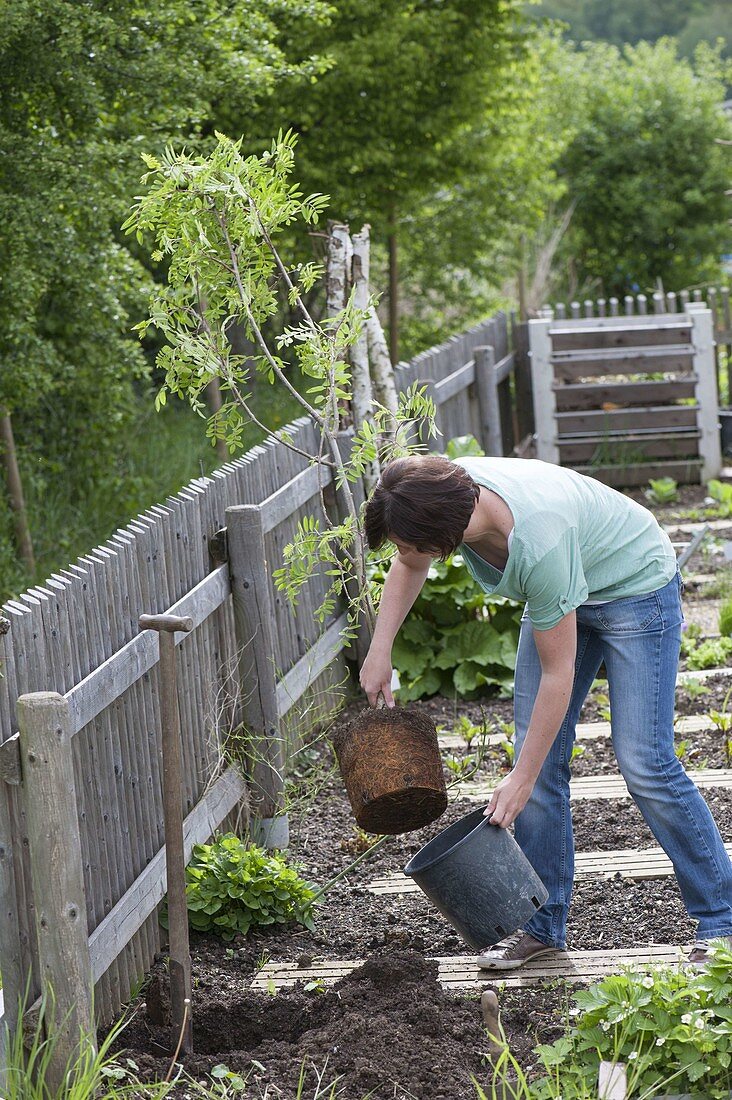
(218,218)
(712,653)
(662,490)
(463,446)
(667,1025)
(725,619)
(89,1074)
(232,887)
(456,640)
(644,165)
(623,20)
(720,491)
(82,85)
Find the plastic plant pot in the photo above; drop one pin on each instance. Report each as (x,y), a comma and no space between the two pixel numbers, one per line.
(479,879)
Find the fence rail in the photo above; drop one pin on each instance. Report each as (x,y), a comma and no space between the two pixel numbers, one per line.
(251,659)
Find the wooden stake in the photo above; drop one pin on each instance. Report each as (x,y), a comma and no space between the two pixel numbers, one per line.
(180,954)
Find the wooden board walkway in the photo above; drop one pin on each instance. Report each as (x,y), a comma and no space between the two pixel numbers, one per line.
(586,731)
(626,863)
(460,972)
(600,786)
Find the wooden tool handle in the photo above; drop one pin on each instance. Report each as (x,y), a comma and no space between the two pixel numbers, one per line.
(169,623)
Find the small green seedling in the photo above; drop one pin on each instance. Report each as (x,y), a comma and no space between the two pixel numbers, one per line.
(662,490)
(695,688)
(317,985)
(577,752)
(681,749)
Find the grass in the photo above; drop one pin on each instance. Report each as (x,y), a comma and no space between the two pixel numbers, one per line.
(162,454)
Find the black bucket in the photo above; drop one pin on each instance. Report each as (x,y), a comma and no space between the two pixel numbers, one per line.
(480,880)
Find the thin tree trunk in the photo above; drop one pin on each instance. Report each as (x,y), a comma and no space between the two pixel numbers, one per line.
(393,291)
(214,400)
(382,370)
(338,278)
(15,493)
(362,397)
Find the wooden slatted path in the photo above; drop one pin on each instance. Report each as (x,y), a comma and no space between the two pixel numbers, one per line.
(460,972)
(586,731)
(627,863)
(601,786)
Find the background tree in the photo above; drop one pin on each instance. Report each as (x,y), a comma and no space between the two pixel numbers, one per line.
(82,84)
(644,166)
(394,120)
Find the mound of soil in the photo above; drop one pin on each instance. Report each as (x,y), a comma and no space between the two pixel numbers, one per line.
(386,1030)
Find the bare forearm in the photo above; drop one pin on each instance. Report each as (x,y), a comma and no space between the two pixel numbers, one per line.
(401,588)
(550,708)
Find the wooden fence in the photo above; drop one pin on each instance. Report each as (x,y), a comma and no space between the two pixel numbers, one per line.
(251,660)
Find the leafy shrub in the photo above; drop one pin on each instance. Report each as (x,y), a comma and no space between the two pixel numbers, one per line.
(232,887)
(662,490)
(725,619)
(463,446)
(456,638)
(668,1025)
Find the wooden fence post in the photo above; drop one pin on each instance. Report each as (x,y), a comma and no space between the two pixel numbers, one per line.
(488,406)
(522,376)
(254,623)
(702,335)
(542,379)
(56,863)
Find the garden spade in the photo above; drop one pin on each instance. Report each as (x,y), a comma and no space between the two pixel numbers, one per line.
(180,956)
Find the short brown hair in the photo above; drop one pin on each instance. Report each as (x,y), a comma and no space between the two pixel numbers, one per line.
(423,500)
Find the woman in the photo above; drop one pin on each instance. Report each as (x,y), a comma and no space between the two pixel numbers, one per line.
(600,583)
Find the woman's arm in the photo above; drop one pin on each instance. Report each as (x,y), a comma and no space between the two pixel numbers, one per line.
(403,583)
(557,649)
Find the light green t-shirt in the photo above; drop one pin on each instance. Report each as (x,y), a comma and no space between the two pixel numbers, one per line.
(574,541)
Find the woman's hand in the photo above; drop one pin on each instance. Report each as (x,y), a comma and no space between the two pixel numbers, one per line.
(375,677)
(508,800)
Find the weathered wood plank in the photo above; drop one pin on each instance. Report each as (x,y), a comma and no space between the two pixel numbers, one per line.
(110,937)
(686,472)
(569,366)
(603,335)
(461,972)
(293,495)
(58,881)
(645,420)
(593,395)
(292,686)
(453,383)
(603,786)
(110,679)
(630,449)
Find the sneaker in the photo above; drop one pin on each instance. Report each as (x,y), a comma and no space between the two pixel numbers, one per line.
(699,954)
(513,952)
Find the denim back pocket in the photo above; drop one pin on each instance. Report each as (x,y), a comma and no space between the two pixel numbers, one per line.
(632,613)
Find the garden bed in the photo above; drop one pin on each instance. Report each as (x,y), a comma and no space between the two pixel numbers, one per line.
(388,1029)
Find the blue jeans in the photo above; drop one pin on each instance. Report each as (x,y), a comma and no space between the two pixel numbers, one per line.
(638,638)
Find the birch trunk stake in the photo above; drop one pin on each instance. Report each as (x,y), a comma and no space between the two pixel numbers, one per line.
(339,267)
(362,400)
(382,370)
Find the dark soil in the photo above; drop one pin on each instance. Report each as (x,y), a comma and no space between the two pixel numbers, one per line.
(388,1030)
